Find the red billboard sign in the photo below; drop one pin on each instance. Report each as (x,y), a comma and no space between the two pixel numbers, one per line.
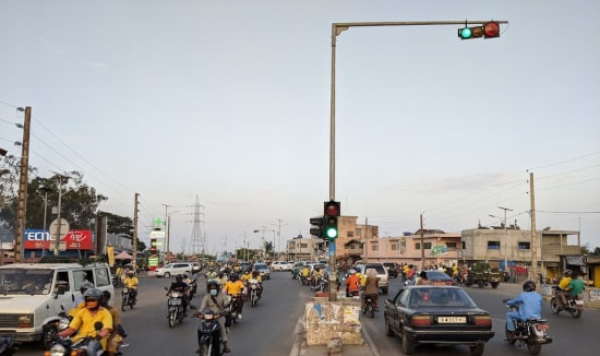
(74,239)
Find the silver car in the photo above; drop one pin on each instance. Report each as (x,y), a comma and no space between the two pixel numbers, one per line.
(263,270)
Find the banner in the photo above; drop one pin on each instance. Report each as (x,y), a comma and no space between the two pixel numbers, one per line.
(110,252)
(37,239)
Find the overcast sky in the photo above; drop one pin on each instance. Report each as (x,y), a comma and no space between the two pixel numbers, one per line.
(229,101)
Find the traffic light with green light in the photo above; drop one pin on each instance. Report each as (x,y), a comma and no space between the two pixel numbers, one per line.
(487,30)
(331,212)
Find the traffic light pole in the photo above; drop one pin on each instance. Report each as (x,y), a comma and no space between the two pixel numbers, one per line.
(336,29)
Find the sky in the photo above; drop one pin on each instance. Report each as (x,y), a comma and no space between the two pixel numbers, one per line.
(228,102)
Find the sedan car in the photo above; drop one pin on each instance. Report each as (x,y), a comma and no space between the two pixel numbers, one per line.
(263,269)
(440,315)
(439,277)
(281,266)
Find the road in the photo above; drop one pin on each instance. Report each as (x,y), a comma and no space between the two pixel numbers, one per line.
(268,328)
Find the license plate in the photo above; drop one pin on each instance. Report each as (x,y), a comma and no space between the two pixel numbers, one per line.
(579,302)
(452,319)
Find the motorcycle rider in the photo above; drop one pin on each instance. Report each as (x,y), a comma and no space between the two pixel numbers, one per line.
(316,276)
(211,274)
(352,282)
(258,278)
(131,282)
(116,336)
(181,287)
(563,288)
(221,279)
(371,288)
(529,303)
(234,287)
(215,301)
(84,323)
(305,272)
(576,287)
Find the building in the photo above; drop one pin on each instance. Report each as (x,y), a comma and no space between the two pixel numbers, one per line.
(303,249)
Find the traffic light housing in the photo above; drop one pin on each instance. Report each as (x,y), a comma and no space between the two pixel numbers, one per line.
(487,30)
(331,212)
(317,228)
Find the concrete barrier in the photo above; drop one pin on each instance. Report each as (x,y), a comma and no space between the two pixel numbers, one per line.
(325,320)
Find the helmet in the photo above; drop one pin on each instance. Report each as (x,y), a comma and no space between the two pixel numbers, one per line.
(357,270)
(85,286)
(529,286)
(352,271)
(233,277)
(178,278)
(568,273)
(212,284)
(92,293)
(130,273)
(106,295)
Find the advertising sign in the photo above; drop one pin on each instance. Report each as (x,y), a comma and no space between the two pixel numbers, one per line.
(37,239)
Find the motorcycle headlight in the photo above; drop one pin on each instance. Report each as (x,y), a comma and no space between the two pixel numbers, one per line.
(57,350)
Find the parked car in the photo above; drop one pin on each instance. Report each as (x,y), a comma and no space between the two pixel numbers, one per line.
(196,267)
(384,282)
(440,315)
(391,269)
(173,269)
(263,270)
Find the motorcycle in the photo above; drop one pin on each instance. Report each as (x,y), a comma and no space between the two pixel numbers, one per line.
(370,306)
(175,307)
(235,307)
(532,332)
(66,346)
(117,281)
(127,298)
(253,288)
(7,345)
(303,281)
(574,305)
(193,287)
(209,334)
(50,330)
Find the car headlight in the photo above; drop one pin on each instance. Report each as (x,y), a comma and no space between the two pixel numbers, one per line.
(57,350)
(25,321)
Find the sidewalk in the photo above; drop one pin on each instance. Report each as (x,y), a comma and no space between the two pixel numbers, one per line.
(301,349)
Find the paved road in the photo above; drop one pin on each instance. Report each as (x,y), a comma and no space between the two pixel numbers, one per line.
(565,330)
(266,329)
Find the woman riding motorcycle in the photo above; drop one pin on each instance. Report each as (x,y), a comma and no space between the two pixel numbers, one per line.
(215,301)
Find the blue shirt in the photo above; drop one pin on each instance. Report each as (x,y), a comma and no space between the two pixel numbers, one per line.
(530,305)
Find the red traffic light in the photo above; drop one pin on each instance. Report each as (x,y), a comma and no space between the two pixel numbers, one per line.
(331,208)
(491,29)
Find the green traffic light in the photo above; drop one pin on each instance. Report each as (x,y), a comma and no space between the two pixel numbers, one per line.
(331,233)
(465,33)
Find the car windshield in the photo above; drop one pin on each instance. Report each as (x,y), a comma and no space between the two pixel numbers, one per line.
(435,275)
(25,281)
(378,268)
(440,298)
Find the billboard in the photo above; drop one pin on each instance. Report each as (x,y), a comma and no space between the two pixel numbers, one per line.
(37,239)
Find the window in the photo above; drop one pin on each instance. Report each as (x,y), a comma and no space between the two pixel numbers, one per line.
(358,231)
(493,245)
(427,246)
(417,246)
(375,247)
(524,246)
(464,245)
(350,234)
(451,245)
(102,277)
(395,246)
(81,276)
(62,279)
(303,245)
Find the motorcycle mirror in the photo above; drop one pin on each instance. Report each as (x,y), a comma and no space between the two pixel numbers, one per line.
(98,325)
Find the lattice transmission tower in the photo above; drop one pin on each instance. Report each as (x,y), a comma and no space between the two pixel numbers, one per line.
(198,240)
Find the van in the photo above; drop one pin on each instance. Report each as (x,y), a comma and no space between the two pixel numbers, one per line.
(32,295)
(382,274)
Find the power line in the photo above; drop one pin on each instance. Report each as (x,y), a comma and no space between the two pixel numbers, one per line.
(565,161)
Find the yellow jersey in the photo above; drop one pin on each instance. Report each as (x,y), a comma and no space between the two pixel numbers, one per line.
(84,322)
(246,277)
(233,288)
(131,282)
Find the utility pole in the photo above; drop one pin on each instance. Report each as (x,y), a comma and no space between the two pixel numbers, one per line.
(505,238)
(422,244)
(534,236)
(166,246)
(279,225)
(134,239)
(22,200)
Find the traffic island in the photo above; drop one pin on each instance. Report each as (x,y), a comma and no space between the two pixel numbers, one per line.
(329,323)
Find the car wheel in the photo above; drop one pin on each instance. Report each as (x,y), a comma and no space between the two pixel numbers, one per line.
(408,347)
(388,328)
(477,350)
(167,275)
